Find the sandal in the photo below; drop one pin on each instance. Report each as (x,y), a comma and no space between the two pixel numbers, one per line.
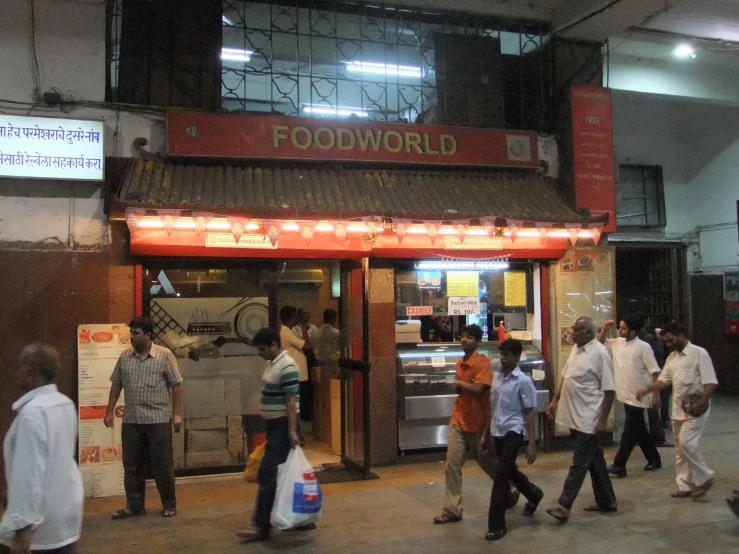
(701,490)
(126,513)
(598,508)
(680,494)
(446,518)
(495,535)
(530,507)
(513,498)
(560,513)
(251,535)
(169,512)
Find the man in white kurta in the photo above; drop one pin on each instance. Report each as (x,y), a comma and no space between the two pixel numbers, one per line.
(690,371)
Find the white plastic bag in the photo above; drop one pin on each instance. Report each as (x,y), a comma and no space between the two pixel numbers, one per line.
(298,498)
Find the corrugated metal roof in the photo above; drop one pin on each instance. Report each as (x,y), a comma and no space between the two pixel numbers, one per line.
(290,192)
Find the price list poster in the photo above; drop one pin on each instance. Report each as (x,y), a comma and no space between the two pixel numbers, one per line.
(98,349)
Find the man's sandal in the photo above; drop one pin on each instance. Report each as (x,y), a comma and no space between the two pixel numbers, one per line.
(560,513)
(680,494)
(446,518)
(169,512)
(495,535)
(701,490)
(126,513)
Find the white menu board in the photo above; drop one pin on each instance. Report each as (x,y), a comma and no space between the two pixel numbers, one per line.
(98,349)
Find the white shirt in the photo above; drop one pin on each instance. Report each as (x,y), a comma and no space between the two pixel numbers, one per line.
(509,396)
(588,373)
(688,371)
(298,330)
(44,481)
(326,344)
(634,365)
(294,347)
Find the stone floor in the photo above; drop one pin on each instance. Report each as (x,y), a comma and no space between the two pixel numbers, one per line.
(393,514)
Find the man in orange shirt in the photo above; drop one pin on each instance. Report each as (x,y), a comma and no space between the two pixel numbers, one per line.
(469,416)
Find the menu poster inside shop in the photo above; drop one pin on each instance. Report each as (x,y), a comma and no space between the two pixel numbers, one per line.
(584,285)
(51,148)
(98,349)
(592,138)
(463,283)
(514,283)
(731,300)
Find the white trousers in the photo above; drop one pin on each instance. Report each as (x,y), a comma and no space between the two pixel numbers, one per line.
(690,467)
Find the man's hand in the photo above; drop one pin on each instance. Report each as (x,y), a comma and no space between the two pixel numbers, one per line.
(22,541)
(641,394)
(602,426)
(698,409)
(484,443)
(531,453)
(177,422)
(552,409)
(294,440)
(608,325)
(109,419)
(656,400)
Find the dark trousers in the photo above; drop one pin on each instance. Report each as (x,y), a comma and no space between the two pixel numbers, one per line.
(146,446)
(665,397)
(656,429)
(507,449)
(275,453)
(635,432)
(69,549)
(588,456)
(306,400)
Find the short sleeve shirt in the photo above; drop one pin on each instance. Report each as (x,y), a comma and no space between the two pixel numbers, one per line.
(280,378)
(470,412)
(147,383)
(688,371)
(634,365)
(587,375)
(294,347)
(509,397)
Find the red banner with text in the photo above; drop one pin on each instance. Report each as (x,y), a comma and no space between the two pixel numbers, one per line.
(592,137)
(264,137)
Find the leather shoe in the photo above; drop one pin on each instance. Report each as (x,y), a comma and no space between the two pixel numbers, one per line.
(665,444)
(618,471)
(651,466)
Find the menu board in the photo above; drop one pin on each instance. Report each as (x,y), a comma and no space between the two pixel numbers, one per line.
(584,285)
(98,349)
(463,283)
(514,288)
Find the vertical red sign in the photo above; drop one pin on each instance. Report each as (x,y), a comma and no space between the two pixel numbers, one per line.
(592,137)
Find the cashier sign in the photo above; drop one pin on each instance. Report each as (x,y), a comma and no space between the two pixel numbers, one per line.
(464,305)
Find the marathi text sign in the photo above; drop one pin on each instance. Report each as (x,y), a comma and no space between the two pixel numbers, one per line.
(592,137)
(246,136)
(51,148)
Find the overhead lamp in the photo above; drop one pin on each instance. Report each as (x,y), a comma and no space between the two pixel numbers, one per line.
(450,265)
(684,51)
(339,111)
(236,54)
(384,69)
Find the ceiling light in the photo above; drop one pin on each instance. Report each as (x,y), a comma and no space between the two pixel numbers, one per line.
(684,51)
(384,69)
(452,265)
(341,111)
(236,54)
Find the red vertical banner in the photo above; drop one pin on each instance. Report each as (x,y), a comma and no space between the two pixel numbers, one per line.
(357,293)
(592,138)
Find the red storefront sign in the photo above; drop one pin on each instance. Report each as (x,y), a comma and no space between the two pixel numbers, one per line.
(263,137)
(592,136)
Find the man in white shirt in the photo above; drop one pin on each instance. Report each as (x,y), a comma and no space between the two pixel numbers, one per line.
(303,320)
(327,343)
(690,370)
(45,494)
(297,348)
(635,368)
(583,403)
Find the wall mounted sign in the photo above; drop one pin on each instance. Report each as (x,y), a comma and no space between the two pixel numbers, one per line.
(466,305)
(514,285)
(592,142)
(462,283)
(419,310)
(51,148)
(300,138)
(473,243)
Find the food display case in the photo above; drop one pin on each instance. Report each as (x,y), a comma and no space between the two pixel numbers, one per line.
(426,388)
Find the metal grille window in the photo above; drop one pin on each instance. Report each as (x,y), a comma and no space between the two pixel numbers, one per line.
(337,59)
(640,198)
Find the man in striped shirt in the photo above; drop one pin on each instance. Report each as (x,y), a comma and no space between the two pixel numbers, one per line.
(279,407)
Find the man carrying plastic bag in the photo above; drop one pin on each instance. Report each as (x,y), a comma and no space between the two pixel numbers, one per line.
(279,408)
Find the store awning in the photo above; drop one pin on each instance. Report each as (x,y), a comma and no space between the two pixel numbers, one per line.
(341,192)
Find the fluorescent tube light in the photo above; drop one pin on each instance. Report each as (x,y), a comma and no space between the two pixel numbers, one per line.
(341,111)
(685,51)
(384,69)
(236,54)
(452,265)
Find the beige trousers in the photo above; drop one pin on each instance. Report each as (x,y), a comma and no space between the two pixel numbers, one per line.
(461,446)
(690,466)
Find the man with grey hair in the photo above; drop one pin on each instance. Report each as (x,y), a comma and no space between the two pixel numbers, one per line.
(582,404)
(45,494)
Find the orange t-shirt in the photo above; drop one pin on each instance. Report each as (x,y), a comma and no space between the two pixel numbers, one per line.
(470,411)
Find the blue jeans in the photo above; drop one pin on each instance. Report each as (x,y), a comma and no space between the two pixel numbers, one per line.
(275,453)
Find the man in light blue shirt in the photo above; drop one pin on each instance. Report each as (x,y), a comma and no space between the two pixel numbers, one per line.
(513,398)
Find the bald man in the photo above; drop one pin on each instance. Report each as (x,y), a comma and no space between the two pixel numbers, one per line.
(582,404)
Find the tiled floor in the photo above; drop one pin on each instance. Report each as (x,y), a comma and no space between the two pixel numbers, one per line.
(393,513)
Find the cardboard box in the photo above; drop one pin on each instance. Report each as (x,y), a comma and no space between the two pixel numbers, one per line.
(207,441)
(234,421)
(205,459)
(204,398)
(235,434)
(236,447)
(205,423)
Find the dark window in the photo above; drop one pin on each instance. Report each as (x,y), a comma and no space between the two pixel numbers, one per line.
(640,200)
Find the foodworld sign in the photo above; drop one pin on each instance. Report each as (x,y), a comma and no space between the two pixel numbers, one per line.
(51,148)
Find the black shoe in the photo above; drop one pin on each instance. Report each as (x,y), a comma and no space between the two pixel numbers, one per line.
(665,444)
(513,498)
(651,466)
(618,471)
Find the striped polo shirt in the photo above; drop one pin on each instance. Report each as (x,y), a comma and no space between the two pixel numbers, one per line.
(280,378)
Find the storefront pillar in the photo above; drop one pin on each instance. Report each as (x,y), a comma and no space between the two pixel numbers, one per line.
(382,353)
